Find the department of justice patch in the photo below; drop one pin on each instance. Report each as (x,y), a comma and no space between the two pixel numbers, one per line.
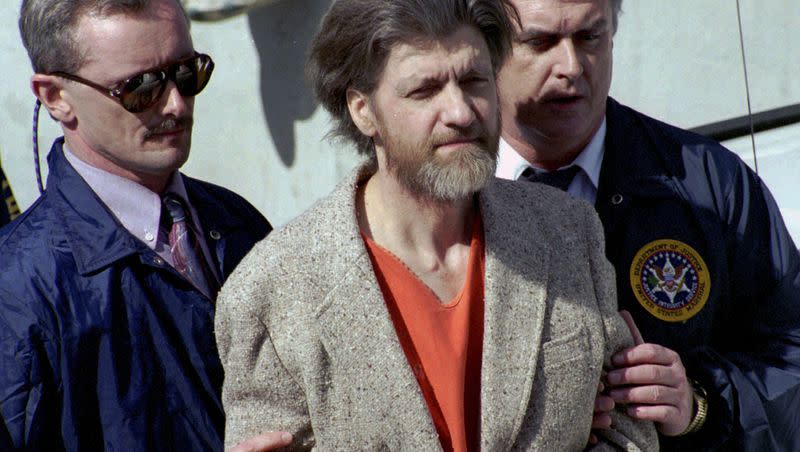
(670,279)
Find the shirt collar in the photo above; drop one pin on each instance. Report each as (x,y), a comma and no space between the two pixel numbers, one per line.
(136,207)
(510,164)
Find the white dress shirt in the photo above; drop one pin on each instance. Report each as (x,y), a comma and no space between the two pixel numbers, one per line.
(510,165)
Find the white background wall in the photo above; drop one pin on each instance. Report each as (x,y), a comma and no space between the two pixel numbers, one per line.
(258,132)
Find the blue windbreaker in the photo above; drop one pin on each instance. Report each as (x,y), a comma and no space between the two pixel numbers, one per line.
(697,239)
(103,346)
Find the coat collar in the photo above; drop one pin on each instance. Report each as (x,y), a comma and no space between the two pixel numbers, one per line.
(639,161)
(356,323)
(94,237)
(636,149)
(97,239)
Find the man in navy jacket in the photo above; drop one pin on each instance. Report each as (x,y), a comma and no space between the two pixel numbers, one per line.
(106,294)
(704,262)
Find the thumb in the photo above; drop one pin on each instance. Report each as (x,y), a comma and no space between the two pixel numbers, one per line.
(637,336)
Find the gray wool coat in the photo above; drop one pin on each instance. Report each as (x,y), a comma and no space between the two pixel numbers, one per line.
(308,345)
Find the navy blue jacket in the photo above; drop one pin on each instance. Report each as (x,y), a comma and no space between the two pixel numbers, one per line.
(103,346)
(659,182)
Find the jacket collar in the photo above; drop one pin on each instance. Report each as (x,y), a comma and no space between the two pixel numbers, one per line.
(639,161)
(95,237)
(635,147)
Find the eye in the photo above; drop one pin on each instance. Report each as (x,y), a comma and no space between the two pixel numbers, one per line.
(590,36)
(540,43)
(474,81)
(422,92)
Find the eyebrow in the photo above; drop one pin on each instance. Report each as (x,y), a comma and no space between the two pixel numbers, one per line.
(414,82)
(534,31)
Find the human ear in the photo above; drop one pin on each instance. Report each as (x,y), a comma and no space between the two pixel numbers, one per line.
(49,90)
(361,112)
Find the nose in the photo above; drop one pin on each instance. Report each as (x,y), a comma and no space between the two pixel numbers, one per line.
(174,103)
(568,60)
(457,109)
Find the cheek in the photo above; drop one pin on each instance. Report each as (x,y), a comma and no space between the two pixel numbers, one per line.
(486,106)
(520,77)
(600,69)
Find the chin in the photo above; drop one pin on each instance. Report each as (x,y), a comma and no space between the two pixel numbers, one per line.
(169,160)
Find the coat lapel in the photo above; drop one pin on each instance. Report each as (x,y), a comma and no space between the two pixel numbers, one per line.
(356,329)
(358,334)
(516,275)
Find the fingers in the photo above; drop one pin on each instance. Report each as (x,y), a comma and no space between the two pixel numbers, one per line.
(661,394)
(647,374)
(263,442)
(651,380)
(645,354)
(669,407)
(670,420)
(603,404)
(650,395)
(601,420)
(637,336)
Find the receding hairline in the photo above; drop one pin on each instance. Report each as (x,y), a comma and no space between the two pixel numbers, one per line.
(163,12)
(426,44)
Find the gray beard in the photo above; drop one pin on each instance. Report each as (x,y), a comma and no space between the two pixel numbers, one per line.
(459,177)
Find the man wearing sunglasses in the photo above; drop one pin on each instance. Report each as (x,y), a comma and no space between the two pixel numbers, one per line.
(108,283)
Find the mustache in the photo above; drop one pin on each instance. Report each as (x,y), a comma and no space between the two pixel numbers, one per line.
(168,125)
(474,133)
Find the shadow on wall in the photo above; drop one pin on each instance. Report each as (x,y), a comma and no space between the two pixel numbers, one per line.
(282,32)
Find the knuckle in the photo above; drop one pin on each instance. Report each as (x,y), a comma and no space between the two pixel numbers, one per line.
(652,373)
(656,394)
(651,351)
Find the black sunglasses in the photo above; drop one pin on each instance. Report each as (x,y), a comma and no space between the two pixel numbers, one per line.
(142,91)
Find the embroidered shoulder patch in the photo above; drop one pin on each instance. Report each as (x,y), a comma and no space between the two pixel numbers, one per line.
(670,280)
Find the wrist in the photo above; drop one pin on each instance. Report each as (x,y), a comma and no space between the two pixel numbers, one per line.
(700,412)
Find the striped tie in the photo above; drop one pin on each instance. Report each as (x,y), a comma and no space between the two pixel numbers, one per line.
(186,253)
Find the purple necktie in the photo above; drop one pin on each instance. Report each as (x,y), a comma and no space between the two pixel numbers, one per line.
(186,253)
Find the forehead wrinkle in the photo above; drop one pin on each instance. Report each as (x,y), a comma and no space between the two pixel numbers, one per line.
(538,17)
(428,69)
(107,31)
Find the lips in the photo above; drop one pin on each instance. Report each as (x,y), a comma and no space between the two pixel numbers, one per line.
(459,141)
(170,131)
(561,98)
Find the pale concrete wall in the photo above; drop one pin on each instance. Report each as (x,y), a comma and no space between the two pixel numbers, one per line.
(259,132)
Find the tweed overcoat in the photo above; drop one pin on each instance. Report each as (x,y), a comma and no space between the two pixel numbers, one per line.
(308,345)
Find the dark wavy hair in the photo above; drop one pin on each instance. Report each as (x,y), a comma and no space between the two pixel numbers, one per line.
(356,36)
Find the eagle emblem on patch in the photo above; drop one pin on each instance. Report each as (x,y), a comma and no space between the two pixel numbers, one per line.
(670,280)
